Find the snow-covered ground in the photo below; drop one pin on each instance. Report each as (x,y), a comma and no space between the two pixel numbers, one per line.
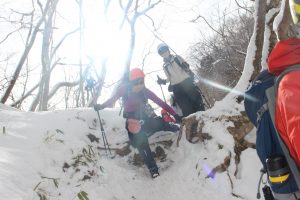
(49,154)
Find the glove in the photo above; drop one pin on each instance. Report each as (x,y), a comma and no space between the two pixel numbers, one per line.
(161,81)
(178,118)
(98,107)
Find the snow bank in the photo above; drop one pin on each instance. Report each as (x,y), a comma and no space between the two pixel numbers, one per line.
(49,154)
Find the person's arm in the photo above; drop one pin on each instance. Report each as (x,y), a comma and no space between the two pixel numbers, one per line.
(111,101)
(158,101)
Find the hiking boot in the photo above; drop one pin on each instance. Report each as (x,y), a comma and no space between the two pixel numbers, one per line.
(154,172)
(154,175)
(172,127)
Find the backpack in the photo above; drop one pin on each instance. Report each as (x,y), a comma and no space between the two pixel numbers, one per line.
(184,66)
(260,101)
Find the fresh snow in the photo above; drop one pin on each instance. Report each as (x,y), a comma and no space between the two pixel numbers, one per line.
(34,148)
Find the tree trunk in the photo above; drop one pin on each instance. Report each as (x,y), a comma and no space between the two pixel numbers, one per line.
(259,30)
(46,61)
(284,29)
(80,99)
(24,56)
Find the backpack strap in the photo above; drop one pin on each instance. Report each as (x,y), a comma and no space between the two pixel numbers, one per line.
(185,66)
(165,66)
(271,95)
(260,112)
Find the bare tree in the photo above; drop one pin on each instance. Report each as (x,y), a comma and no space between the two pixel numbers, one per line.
(48,63)
(40,93)
(46,56)
(80,96)
(285,28)
(259,29)
(132,11)
(220,57)
(32,33)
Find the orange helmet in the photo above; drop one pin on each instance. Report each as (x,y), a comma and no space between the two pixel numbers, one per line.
(136,73)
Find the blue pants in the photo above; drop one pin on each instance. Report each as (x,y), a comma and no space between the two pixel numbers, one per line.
(140,140)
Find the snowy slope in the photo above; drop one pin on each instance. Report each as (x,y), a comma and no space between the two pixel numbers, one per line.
(48,154)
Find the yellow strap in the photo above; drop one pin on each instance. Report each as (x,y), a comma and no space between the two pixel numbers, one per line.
(295,11)
(278,179)
(297,8)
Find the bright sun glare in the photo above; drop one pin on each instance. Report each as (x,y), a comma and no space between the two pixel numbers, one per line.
(103,39)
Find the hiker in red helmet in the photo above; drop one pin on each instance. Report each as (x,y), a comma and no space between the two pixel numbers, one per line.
(140,122)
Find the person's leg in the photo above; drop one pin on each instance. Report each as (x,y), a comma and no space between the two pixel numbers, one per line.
(146,154)
(140,141)
(153,125)
(193,94)
(182,100)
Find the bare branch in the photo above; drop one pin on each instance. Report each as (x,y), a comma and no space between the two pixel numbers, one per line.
(126,10)
(150,6)
(62,40)
(9,34)
(61,84)
(25,95)
(212,28)
(243,7)
(25,54)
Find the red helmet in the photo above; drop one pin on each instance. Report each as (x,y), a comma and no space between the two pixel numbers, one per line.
(136,73)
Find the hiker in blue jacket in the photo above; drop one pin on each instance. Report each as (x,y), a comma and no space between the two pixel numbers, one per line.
(181,80)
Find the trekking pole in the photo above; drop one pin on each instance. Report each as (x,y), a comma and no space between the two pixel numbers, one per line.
(105,142)
(203,97)
(162,90)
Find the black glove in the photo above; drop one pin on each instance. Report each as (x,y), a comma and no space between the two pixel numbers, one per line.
(170,88)
(161,81)
(98,107)
(178,118)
